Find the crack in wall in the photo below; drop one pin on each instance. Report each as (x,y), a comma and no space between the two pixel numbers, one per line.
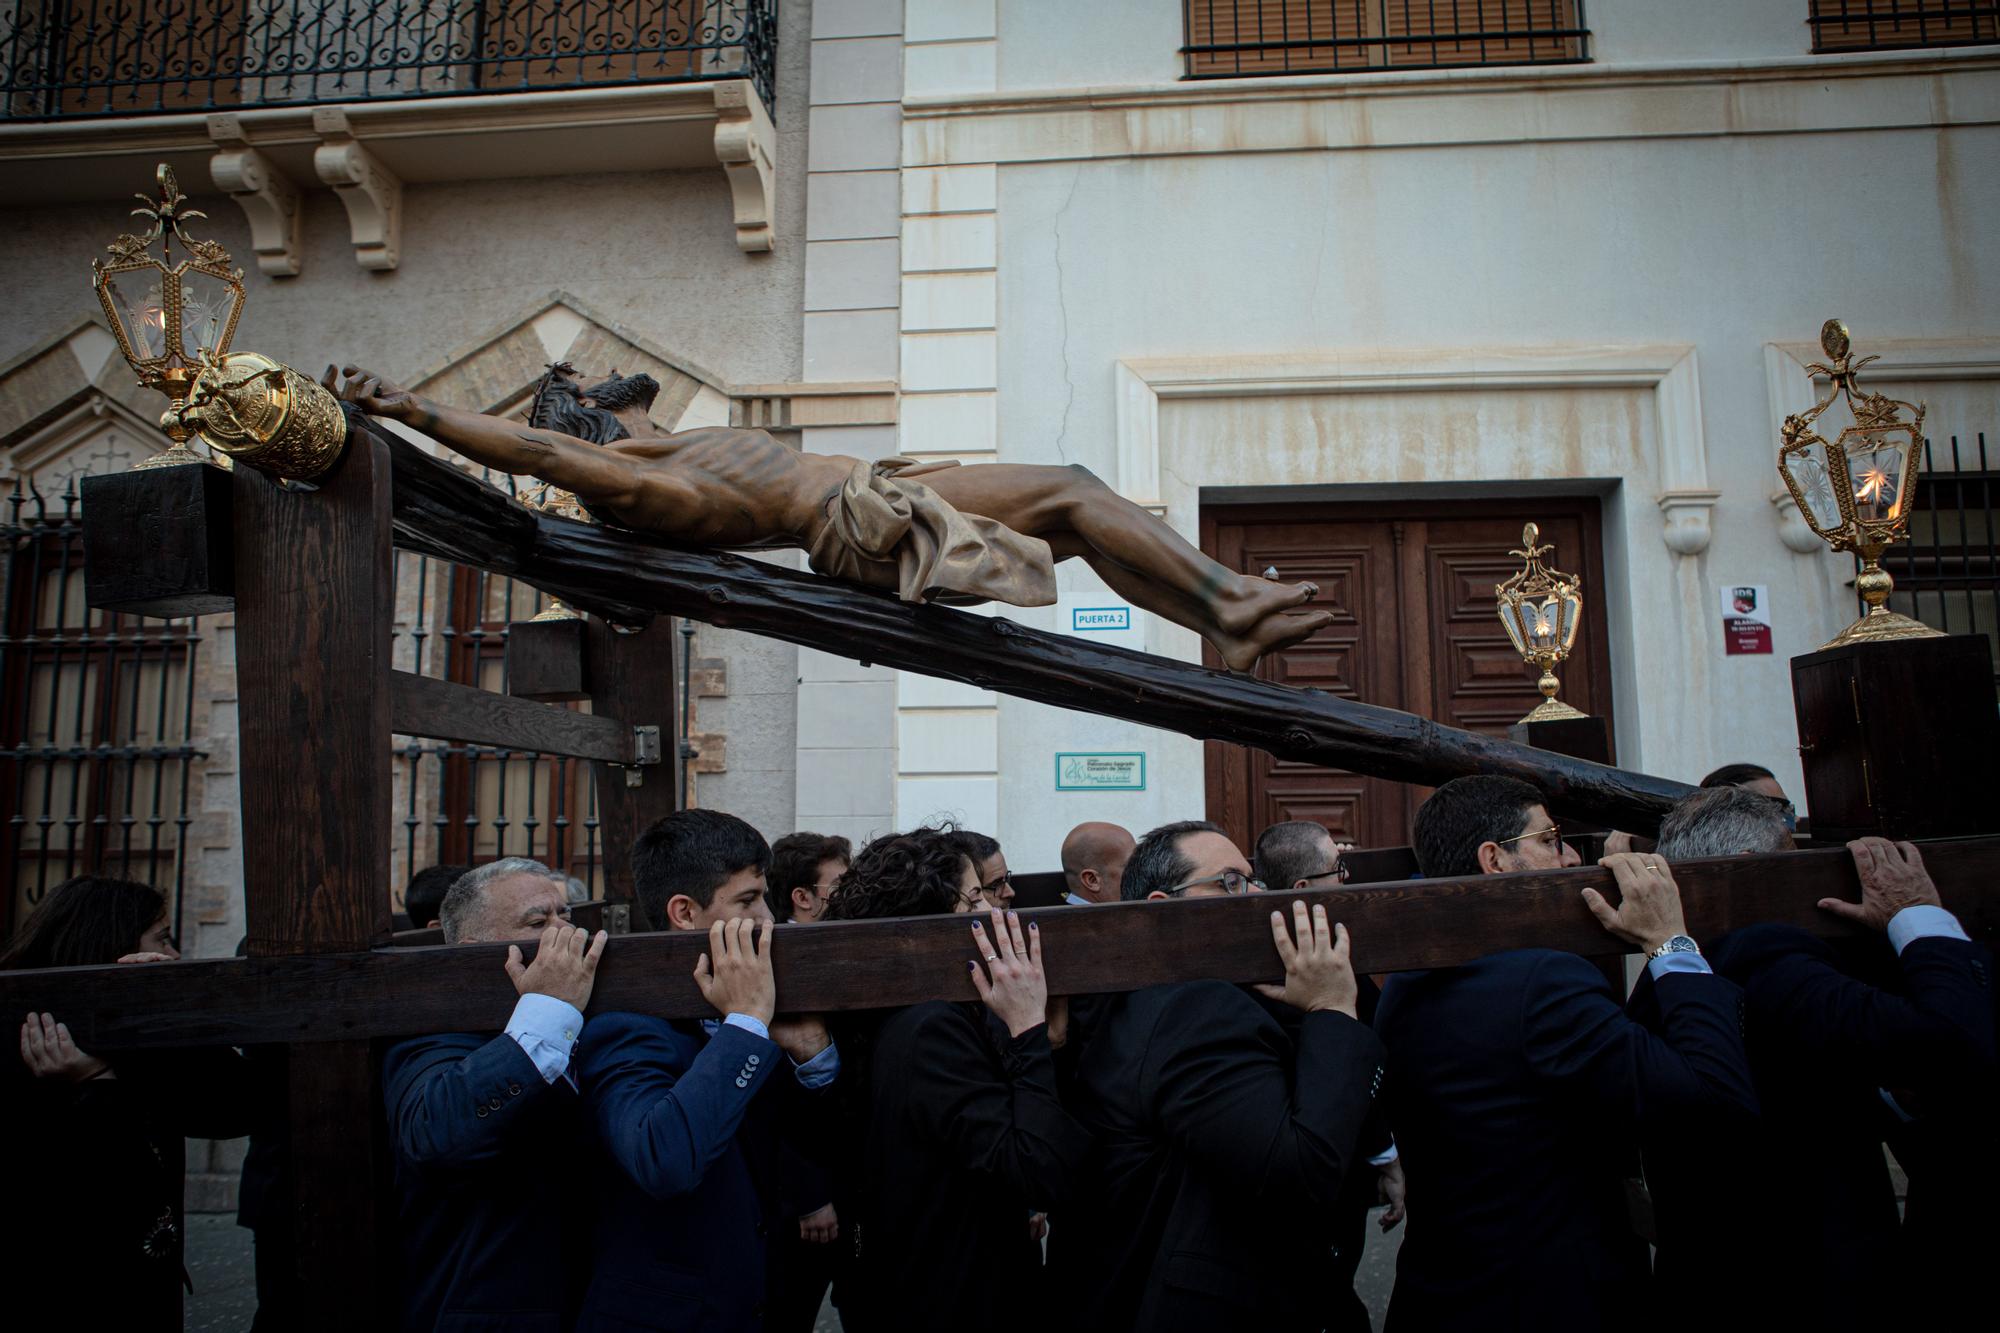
(1062,309)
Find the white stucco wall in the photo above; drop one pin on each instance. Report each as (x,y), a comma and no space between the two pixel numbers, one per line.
(1713,212)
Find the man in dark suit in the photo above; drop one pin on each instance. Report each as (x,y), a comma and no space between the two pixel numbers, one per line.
(1850,1041)
(1518,1088)
(492,1239)
(1226,1126)
(1296,855)
(688,1115)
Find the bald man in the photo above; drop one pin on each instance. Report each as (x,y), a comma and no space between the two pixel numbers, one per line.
(1093,861)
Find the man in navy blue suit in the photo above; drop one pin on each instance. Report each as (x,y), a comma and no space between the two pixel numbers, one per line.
(492,1240)
(1851,1041)
(689,1115)
(1517,1088)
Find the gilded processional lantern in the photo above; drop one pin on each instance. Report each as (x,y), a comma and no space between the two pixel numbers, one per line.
(1856,490)
(1541,609)
(174,322)
(168,317)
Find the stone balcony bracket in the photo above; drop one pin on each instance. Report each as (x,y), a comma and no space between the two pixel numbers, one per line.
(267,157)
(1792,528)
(267,196)
(1686,515)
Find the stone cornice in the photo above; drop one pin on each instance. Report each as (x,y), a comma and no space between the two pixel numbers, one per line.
(1807,95)
(654,127)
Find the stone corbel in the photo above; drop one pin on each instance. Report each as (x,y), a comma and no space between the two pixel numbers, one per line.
(372,194)
(1793,530)
(266,195)
(744,141)
(1686,513)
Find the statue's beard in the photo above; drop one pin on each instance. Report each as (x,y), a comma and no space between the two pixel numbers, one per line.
(564,412)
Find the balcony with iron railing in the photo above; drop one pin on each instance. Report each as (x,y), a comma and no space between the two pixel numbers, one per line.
(93,92)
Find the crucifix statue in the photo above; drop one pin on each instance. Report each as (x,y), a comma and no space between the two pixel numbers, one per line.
(932,531)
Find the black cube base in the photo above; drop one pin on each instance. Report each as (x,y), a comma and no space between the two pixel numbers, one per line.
(1899,739)
(159,542)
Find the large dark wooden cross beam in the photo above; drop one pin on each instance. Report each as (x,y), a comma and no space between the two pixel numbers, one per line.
(627,576)
(868,964)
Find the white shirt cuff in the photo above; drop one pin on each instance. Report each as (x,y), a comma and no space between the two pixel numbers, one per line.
(749,1023)
(546,1029)
(1677,962)
(1921,923)
(1386,1157)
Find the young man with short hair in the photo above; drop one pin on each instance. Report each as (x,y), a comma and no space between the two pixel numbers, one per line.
(804,869)
(690,1114)
(1518,1088)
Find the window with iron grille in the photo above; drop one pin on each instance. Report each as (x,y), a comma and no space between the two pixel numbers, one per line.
(1887,25)
(96,714)
(1229,39)
(1948,573)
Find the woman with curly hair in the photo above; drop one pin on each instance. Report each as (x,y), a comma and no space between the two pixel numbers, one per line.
(964,1140)
(99,1171)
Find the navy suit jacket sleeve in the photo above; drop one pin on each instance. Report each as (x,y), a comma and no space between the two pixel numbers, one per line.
(1939,1028)
(665,1104)
(1577,1036)
(995,1110)
(454,1099)
(1251,1106)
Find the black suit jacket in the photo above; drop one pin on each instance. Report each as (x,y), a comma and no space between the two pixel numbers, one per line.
(1518,1087)
(964,1135)
(488,1159)
(1797,1219)
(1225,1135)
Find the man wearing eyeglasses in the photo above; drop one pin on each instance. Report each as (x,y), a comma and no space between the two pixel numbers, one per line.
(1226,1120)
(996,882)
(1519,1087)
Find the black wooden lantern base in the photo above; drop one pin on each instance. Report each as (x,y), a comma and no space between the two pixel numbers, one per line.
(159,542)
(1900,739)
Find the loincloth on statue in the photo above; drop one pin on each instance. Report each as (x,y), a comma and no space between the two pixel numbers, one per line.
(886,528)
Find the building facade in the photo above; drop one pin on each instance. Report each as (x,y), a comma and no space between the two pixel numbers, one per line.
(1351,290)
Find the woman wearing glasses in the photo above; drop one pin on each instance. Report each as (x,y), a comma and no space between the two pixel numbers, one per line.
(962,1135)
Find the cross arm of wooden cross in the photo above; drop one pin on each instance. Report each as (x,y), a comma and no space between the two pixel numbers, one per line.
(872,964)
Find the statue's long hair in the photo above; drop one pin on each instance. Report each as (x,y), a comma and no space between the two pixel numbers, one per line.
(558,403)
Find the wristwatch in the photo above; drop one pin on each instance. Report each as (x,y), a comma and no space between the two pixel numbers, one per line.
(1675,944)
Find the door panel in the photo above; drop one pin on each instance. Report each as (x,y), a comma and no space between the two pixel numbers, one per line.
(1416,628)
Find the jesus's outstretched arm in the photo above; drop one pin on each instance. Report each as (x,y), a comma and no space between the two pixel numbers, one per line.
(592,474)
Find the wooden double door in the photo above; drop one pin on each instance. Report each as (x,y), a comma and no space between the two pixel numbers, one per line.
(1416,628)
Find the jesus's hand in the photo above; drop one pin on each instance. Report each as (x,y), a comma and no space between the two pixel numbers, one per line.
(370,392)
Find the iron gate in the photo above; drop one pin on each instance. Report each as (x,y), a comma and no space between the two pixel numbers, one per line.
(97,733)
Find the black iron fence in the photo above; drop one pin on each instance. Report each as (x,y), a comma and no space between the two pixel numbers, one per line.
(64,58)
(96,720)
(1948,573)
(1228,39)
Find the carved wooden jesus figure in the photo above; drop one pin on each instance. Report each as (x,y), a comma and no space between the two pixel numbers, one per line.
(933,531)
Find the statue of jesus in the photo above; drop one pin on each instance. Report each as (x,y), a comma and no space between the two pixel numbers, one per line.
(930,531)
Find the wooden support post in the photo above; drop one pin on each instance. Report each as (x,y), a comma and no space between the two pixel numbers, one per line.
(314,604)
(631,677)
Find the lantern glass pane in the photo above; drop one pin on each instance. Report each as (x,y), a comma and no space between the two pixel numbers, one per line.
(136,297)
(206,305)
(1814,482)
(1875,461)
(1511,615)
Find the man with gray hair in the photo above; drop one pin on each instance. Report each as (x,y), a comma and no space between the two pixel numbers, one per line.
(473,1116)
(1724,821)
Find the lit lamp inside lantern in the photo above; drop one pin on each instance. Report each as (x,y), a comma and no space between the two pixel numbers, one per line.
(170,319)
(1855,490)
(1541,609)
